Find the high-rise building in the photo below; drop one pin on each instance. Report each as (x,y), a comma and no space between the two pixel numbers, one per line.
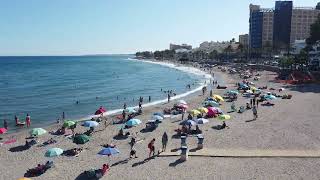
(282,24)
(302,18)
(280,27)
(244,40)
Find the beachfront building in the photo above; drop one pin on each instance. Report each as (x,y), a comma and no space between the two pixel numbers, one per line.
(182,46)
(281,26)
(244,40)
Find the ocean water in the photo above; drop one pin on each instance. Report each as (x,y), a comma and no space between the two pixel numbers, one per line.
(45,87)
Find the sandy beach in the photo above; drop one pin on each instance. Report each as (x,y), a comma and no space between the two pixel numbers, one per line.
(289,125)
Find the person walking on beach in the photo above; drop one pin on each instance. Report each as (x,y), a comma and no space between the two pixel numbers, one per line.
(164,141)
(123,115)
(254,100)
(182,114)
(251,102)
(257,103)
(124,106)
(255,113)
(132,142)
(151,147)
(211,93)
(5,124)
(168,97)
(28,120)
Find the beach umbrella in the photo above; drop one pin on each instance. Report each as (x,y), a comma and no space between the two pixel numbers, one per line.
(90,124)
(202,121)
(270,97)
(232,92)
(101,110)
(109,151)
(252,88)
(218,97)
(152,120)
(3,130)
(188,122)
(133,122)
(81,139)
(182,102)
(249,91)
(53,152)
(203,110)
(183,106)
(156,117)
(195,112)
(37,131)
(130,110)
(68,124)
(224,117)
(158,114)
(211,103)
(215,109)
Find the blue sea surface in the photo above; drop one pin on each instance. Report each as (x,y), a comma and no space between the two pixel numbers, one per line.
(45,87)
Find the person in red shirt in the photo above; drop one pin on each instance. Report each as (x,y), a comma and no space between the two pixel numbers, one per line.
(151,147)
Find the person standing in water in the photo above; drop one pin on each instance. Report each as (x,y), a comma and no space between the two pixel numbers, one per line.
(124,106)
(5,124)
(63,115)
(149,98)
(168,97)
(28,120)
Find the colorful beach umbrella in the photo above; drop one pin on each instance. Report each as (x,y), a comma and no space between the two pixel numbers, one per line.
(224,117)
(90,124)
(215,109)
(3,130)
(218,97)
(53,152)
(201,121)
(133,122)
(183,106)
(203,110)
(109,151)
(81,139)
(195,112)
(37,131)
(68,124)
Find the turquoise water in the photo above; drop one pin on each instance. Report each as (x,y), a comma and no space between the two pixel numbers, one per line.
(45,87)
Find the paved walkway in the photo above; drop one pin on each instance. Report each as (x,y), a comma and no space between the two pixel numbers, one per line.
(243,153)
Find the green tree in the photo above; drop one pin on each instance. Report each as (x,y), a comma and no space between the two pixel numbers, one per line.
(213,54)
(314,32)
(286,62)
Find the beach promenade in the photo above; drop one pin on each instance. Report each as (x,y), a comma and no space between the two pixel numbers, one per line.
(283,143)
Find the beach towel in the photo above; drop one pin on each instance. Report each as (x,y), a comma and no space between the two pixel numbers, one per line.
(8,142)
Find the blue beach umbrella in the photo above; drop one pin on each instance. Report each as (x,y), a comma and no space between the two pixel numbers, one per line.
(188,122)
(158,114)
(133,122)
(156,117)
(109,151)
(90,124)
(53,152)
(130,110)
(201,121)
(232,92)
(211,103)
(270,97)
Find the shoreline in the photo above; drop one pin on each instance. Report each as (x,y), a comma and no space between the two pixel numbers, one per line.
(114,112)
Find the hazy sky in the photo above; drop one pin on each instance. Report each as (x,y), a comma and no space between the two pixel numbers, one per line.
(72,27)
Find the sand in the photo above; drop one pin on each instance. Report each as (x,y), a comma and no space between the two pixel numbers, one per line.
(289,125)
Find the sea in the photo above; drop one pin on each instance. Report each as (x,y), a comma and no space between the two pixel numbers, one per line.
(47,86)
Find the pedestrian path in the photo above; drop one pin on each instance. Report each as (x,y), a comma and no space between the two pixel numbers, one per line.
(245,153)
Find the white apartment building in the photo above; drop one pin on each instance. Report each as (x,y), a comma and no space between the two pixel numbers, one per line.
(301,20)
(244,40)
(210,46)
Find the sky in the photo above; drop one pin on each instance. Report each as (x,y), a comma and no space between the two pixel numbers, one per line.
(78,27)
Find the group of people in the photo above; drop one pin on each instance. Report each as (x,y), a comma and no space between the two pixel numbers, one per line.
(18,123)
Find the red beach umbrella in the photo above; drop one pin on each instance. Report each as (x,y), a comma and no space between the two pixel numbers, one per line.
(101,110)
(3,130)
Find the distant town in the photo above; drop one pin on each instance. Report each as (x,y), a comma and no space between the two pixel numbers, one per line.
(284,36)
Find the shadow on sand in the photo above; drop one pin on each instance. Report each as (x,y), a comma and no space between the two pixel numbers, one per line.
(144,161)
(175,163)
(19,148)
